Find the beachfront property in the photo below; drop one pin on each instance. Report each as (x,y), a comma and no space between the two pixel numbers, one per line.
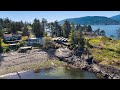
(89,34)
(33,41)
(11,37)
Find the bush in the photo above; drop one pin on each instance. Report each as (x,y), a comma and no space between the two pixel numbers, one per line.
(88,44)
(1,49)
(36,45)
(24,38)
(103,38)
(47,43)
(4,44)
(21,43)
(5,49)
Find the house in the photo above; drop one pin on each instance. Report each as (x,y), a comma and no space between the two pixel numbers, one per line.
(90,34)
(11,37)
(33,41)
(87,33)
(7,37)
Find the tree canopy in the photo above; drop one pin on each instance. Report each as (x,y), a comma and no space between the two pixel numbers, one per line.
(76,38)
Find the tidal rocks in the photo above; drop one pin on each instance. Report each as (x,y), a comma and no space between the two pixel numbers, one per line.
(90,64)
(95,68)
(63,52)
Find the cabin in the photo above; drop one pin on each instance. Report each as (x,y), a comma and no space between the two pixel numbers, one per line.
(33,41)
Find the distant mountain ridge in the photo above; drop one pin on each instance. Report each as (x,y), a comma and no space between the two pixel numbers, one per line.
(92,20)
(117,18)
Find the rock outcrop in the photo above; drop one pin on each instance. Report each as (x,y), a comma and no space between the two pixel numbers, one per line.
(107,72)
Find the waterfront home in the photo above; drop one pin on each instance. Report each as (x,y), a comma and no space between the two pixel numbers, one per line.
(89,34)
(33,41)
(11,37)
(7,37)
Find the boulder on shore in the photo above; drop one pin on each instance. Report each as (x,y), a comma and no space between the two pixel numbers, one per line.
(63,52)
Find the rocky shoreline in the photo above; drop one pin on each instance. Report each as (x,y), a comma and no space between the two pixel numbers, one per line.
(36,58)
(106,72)
(32,59)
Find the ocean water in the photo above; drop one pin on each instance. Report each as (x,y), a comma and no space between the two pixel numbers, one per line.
(54,73)
(109,29)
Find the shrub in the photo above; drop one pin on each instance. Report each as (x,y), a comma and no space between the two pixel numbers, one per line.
(21,43)
(36,45)
(47,43)
(103,38)
(24,38)
(1,49)
(4,44)
(5,49)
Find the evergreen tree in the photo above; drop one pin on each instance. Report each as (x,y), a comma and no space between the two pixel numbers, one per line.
(89,28)
(25,31)
(57,29)
(102,33)
(97,31)
(13,28)
(37,29)
(6,23)
(78,27)
(79,40)
(85,28)
(66,29)
(76,38)
(51,28)
(72,37)
(43,25)
(0,40)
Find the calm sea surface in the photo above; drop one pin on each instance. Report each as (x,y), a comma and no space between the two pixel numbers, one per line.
(57,73)
(109,29)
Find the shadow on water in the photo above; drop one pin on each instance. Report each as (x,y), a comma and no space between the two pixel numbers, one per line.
(45,69)
(73,73)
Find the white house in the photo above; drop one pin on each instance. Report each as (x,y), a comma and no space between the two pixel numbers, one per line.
(33,41)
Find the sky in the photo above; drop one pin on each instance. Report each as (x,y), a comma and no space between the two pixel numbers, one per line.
(51,16)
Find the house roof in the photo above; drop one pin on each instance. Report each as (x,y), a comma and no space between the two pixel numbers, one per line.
(7,35)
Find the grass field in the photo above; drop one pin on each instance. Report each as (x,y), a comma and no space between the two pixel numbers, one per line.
(109,55)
